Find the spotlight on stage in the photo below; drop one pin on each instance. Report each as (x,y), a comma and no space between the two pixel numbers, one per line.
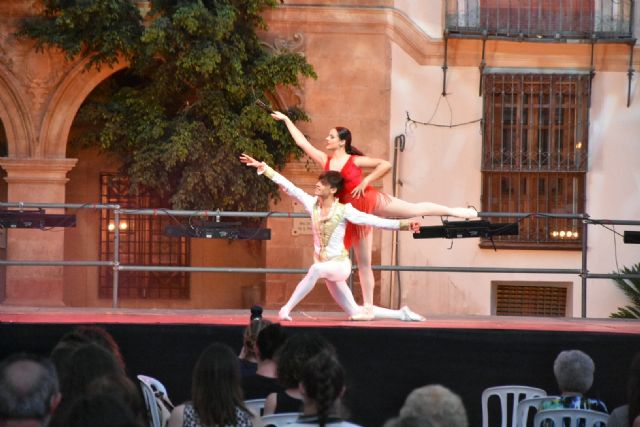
(631,236)
(465,229)
(218,230)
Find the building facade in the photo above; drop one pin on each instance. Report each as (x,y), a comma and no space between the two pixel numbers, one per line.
(522,107)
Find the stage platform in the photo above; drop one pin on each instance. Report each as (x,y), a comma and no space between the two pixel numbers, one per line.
(384,359)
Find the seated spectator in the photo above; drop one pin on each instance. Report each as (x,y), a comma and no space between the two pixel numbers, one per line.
(99,410)
(87,363)
(574,371)
(125,390)
(623,416)
(295,352)
(265,381)
(247,356)
(216,396)
(432,405)
(80,336)
(29,392)
(322,386)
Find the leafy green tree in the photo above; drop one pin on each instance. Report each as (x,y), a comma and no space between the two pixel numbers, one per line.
(631,288)
(184,110)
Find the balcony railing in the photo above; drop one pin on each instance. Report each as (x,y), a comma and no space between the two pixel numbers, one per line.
(609,20)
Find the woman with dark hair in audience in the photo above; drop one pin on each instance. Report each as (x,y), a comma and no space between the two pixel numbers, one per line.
(265,380)
(85,334)
(86,364)
(99,410)
(322,386)
(295,352)
(624,416)
(216,396)
(247,356)
(574,371)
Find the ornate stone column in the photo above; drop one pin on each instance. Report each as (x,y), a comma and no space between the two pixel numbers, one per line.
(36,181)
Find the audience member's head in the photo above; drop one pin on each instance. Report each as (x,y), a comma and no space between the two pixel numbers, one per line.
(269,341)
(295,352)
(88,362)
(250,337)
(121,387)
(436,404)
(410,421)
(323,384)
(61,353)
(633,388)
(99,410)
(573,370)
(215,386)
(28,388)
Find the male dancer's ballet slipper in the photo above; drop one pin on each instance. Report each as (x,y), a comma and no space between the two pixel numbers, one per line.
(410,316)
(284,315)
(365,313)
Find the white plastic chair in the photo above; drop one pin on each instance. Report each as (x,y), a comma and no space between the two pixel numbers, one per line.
(155,395)
(255,406)
(281,419)
(518,392)
(526,404)
(558,417)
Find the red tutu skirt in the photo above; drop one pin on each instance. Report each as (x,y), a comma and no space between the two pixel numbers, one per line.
(369,203)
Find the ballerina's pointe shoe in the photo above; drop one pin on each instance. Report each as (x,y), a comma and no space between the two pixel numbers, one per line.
(365,313)
(411,316)
(284,315)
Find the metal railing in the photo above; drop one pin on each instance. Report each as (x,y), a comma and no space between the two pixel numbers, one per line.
(117,266)
(593,20)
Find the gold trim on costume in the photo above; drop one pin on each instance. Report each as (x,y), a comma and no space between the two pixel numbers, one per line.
(326,227)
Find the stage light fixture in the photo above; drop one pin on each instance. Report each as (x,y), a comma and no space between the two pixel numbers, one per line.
(218,230)
(466,229)
(631,237)
(34,219)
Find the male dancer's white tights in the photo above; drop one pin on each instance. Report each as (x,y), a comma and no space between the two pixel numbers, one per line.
(335,274)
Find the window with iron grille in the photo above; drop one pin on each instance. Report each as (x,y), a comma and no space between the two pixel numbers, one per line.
(142,242)
(534,154)
(540,299)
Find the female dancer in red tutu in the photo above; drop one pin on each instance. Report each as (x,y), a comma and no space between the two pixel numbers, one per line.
(349,161)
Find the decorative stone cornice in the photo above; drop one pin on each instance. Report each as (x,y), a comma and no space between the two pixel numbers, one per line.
(34,170)
(425,50)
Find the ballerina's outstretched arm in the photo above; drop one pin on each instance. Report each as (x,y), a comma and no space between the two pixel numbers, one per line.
(316,155)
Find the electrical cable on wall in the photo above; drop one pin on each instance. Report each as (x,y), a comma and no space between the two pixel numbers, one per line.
(429,122)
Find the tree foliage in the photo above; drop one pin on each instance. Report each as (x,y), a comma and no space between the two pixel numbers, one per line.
(181,114)
(631,288)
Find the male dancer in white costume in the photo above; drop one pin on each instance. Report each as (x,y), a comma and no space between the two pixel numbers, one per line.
(331,259)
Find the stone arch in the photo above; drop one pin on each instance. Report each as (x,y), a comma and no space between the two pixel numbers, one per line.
(65,103)
(15,116)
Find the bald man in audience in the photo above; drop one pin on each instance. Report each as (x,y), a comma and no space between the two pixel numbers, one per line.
(29,391)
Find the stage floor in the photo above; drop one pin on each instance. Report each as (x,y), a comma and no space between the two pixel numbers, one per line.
(384,359)
(13,314)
